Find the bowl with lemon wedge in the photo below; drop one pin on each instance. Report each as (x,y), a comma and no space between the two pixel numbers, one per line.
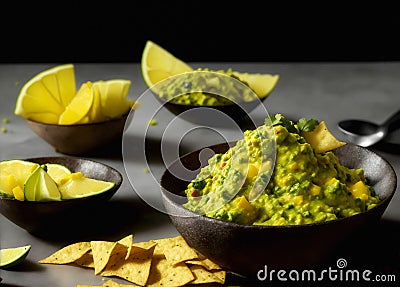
(73,120)
(42,194)
(203,95)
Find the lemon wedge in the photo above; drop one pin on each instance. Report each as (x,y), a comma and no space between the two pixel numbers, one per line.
(44,97)
(79,107)
(158,64)
(111,99)
(13,175)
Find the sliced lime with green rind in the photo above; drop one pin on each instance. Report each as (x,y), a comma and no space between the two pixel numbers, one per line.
(41,187)
(10,257)
(56,171)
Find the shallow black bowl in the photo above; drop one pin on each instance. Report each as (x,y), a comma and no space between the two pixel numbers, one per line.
(247,249)
(47,217)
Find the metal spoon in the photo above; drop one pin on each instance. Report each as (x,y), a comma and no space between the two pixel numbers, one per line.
(365,133)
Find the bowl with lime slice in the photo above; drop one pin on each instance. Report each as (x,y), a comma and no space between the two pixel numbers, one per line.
(46,194)
(74,120)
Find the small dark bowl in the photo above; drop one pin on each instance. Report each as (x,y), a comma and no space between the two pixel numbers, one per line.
(80,139)
(221,115)
(246,249)
(46,217)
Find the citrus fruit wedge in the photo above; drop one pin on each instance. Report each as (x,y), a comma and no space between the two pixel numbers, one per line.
(10,257)
(13,175)
(158,64)
(79,106)
(112,97)
(41,187)
(57,171)
(44,97)
(77,185)
(261,84)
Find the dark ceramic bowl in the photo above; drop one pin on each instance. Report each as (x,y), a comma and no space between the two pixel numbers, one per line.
(80,139)
(246,249)
(212,115)
(46,217)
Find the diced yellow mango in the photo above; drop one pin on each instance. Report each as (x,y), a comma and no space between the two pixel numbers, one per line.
(359,190)
(315,189)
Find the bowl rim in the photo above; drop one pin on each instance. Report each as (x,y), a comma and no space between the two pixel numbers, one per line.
(188,213)
(116,186)
(123,117)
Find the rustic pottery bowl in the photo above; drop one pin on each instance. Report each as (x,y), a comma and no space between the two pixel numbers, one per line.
(246,249)
(54,216)
(80,139)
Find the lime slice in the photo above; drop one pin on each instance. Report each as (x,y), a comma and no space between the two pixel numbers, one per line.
(13,174)
(79,107)
(57,171)
(10,257)
(158,64)
(44,97)
(77,185)
(41,187)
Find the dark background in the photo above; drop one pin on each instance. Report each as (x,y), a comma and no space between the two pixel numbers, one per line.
(194,31)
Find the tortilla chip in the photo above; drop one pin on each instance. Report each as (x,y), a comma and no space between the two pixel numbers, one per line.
(101,251)
(163,273)
(176,249)
(112,283)
(204,262)
(321,139)
(144,245)
(135,269)
(67,254)
(109,283)
(86,260)
(127,241)
(203,275)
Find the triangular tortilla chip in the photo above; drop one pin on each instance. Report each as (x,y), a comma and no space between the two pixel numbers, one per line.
(321,139)
(68,254)
(101,251)
(176,249)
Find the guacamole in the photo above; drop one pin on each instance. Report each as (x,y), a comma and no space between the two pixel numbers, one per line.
(205,87)
(274,177)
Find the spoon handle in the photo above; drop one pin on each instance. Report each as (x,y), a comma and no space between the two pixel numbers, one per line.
(393,122)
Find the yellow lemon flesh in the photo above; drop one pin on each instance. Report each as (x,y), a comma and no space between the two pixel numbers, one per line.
(57,171)
(79,107)
(10,257)
(41,187)
(157,64)
(13,175)
(45,96)
(111,98)
(77,185)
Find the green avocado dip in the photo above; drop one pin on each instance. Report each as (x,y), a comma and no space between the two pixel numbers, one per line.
(205,87)
(274,177)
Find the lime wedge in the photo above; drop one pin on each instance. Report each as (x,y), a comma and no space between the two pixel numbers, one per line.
(41,187)
(57,171)
(10,257)
(77,185)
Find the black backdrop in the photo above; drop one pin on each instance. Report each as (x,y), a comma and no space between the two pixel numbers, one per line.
(194,31)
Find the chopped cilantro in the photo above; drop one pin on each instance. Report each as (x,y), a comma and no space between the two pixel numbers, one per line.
(279,120)
(307,125)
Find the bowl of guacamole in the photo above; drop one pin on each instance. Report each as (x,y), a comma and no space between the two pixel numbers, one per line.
(275,201)
(208,97)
